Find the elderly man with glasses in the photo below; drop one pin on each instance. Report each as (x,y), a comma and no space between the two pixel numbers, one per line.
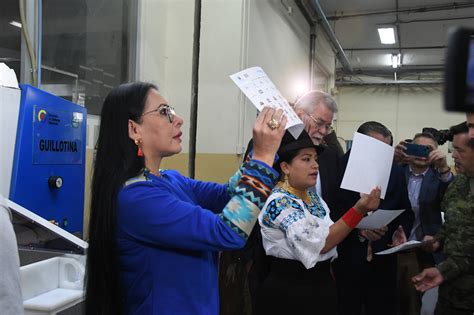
(317,109)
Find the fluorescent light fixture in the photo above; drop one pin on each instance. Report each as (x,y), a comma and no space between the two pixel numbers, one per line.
(15,23)
(387,34)
(395,61)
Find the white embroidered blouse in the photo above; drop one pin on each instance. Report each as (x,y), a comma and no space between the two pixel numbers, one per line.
(294,229)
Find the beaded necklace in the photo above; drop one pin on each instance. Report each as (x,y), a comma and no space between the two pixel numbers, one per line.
(146,173)
(311,200)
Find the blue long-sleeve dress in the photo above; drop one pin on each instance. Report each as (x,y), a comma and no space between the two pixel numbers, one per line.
(170,229)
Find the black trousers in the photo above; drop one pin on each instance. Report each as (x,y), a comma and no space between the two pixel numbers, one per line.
(290,288)
(369,286)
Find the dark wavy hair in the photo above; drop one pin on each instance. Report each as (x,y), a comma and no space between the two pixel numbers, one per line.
(116,162)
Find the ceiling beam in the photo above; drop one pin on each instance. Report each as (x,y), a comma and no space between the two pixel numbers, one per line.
(395,48)
(386,70)
(436,20)
(420,9)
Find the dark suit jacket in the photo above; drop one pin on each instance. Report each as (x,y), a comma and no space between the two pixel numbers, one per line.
(351,249)
(431,193)
(329,172)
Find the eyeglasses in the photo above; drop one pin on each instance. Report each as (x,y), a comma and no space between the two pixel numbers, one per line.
(319,123)
(163,110)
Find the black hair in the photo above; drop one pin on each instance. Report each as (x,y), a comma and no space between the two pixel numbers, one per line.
(462,128)
(375,126)
(285,157)
(459,128)
(116,162)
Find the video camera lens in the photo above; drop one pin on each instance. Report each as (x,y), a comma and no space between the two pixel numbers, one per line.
(441,136)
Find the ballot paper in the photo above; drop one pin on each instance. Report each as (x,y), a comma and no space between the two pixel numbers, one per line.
(378,219)
(369,165)
(261,91)
(405,246)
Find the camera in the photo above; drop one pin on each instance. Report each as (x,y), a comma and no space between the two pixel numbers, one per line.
(459,71)
(441,136)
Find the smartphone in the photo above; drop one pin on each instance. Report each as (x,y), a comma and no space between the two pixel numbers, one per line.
(417,150)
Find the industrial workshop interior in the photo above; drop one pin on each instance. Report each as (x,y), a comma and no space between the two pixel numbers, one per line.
(379,60)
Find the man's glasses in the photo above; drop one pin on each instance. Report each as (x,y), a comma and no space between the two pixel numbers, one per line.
(163,110)
(319,123)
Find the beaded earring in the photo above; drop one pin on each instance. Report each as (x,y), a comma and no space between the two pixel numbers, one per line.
(137,143)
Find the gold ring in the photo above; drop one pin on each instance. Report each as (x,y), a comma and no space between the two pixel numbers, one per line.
(273,124)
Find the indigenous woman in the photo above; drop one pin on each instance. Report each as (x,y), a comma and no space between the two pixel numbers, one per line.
(299,237)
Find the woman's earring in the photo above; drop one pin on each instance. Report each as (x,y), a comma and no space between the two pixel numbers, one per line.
(137,143)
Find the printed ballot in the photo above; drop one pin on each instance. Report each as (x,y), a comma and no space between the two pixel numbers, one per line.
(378,219)
(405,246)
(261,91)
(369,165)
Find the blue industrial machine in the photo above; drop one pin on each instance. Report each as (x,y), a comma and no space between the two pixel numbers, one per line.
(49,162)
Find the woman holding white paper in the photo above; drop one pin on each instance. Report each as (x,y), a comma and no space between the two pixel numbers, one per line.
(299,236)
(155,234)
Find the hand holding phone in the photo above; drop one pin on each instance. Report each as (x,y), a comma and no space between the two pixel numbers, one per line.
(417,150)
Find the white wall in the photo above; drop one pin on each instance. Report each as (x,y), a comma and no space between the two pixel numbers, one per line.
(165,49)
(404,110)
(235,34)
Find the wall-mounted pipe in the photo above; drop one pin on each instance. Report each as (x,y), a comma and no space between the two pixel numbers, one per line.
(341,56)
(29,44)
(39,42)
(194,90)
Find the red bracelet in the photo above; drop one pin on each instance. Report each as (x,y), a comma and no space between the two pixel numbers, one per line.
(352,217)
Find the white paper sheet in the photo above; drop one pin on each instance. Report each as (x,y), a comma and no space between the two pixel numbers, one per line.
(8,76)
(405,246)
(3,202)
(378,219)
(369,165)
(261,91)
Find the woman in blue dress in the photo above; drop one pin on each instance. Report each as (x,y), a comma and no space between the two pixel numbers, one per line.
(155,234)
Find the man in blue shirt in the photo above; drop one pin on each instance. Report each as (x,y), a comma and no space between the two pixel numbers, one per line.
(427,179)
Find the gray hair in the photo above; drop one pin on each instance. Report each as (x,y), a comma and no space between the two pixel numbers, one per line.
(314,98)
